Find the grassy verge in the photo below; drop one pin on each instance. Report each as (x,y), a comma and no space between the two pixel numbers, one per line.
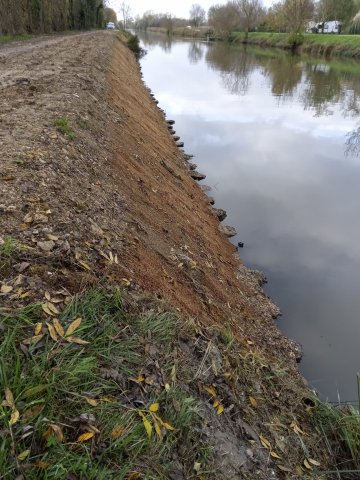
(15,38)
(344,45)
(83,395)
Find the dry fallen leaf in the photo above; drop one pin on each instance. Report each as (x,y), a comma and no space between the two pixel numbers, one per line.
(9,398)
(15,415)
(77,340)
(6,288)
(307,464)
(34,339)
(59,329)
(118,431)
(32,412)
(92,401)
(85,436)
(253,401)
(157,429)
(274,455)
(52,332)
(313,462)
(147,426)
(73,326)
(47,310)
(220,410)
(38,328)
(265,442)
(154,407)
(164,424)
(210,390)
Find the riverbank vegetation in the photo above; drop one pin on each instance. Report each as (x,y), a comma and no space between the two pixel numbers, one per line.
(19,17)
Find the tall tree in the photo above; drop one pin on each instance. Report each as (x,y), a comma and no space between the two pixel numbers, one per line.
(197,15)
(223,18)
(125,10)
(296,14)
(343,10)
(251,12)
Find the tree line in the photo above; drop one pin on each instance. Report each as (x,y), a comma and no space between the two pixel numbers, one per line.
(45,16)
(248,15)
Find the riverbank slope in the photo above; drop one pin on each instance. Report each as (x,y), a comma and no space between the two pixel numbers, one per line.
(135,344)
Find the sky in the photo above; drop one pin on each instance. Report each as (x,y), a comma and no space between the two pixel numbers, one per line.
(175,7)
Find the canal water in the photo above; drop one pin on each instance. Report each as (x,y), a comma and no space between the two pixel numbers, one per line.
(278,137)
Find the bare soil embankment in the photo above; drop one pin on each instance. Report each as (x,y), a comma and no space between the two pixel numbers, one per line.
(95,194)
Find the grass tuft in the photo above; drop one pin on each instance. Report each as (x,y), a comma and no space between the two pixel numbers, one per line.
(63,125)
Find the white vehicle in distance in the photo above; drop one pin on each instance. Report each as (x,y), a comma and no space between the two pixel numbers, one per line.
(110,26)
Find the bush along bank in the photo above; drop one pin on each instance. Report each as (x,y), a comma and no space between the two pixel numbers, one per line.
(109,369)
(317,44)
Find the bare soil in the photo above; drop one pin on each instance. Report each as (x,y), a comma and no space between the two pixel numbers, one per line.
(111,200)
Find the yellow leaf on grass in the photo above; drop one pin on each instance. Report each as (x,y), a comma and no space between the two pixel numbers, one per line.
(32,412)
(154,407)
(92,401)
(220,409)
(265,442)
(46,308)
(313,462)
(126,282)
(85,436)
(147,426)
(73,326)
(47,296)
(52,332)
(9,398)
(23,455)
(40,464)
(59,329)
(14,417)
(164,424)
(134,476)
(118,431)
(283,468)
(38,328)
(307,464)
(167,387)
(210,390)
(77,340)
(216,404)
(34,339)
(6,288)
(253,401)
(157,429)
(296,428)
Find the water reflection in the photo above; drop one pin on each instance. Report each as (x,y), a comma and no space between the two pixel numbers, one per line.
(271,131)
(196,52)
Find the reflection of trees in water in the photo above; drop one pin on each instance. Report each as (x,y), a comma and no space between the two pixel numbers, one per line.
(285,73)
(195,52)
(323,89)
(352,144)
(235,66)
(156,40)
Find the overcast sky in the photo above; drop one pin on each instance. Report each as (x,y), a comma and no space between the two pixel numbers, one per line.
(175,7)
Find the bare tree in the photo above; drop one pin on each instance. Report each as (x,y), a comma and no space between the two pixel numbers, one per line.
(251,13)
(197,15)
(296,14)
(223,18)
(125,12)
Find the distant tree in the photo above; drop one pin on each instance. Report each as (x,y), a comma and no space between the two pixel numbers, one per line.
(110,15)
(274,18)
(296,14)
(342,10)
(197,15)
(251,13)
(223,18)
(125,12)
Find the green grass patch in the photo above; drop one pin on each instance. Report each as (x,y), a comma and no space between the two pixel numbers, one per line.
(14,38)
(63,126)
(54,388)
(343,45)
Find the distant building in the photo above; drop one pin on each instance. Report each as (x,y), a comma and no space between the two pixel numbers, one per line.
(333,26)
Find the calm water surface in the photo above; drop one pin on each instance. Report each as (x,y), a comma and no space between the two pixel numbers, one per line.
(279,139)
